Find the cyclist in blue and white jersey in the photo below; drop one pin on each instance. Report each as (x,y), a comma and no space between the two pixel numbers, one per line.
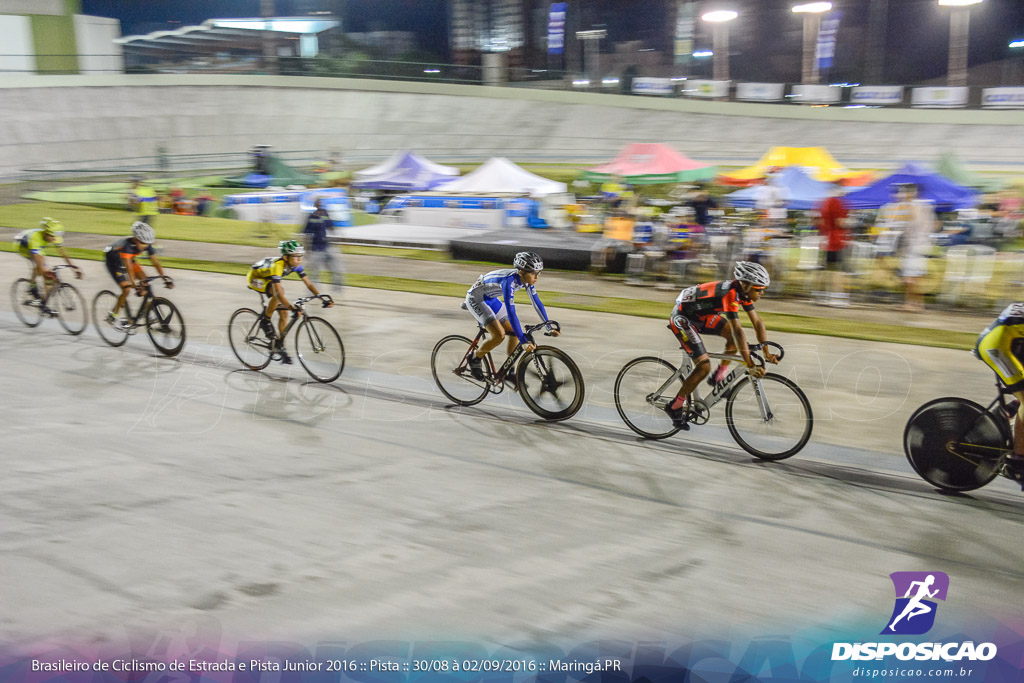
(491,301)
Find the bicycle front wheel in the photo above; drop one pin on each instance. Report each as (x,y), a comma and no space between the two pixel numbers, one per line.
(165,326)
(251,346)
(638,400)
(71,310)
(550,383)
(114,332)
(450,367)
(319,348)
(955,444)
(770,418)
(27,307)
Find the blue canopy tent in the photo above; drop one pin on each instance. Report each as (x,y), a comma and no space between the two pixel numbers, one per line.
(947,195)
(805,193)
(410,173)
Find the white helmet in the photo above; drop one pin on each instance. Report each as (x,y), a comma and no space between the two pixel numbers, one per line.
(143,232)
(754,273)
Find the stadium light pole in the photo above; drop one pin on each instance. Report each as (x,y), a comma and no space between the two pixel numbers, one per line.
(812,12)
(720,41)
(959,26)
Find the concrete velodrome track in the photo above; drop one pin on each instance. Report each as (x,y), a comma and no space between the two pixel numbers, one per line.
(141,492)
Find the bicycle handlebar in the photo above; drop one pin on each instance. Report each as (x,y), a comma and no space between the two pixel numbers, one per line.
(551,325)
(754,348)
(302,301)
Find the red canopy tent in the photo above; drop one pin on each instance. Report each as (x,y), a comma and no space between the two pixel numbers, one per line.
(650,163)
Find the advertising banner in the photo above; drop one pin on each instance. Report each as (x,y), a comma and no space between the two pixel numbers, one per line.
(1002,98)
(685,22)
(817,94)
(939,98)
(652,86)
(761,92)
(877,94)
(556,28)
(826,50)
(708,89)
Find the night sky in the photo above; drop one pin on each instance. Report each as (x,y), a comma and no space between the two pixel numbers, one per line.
(764,48)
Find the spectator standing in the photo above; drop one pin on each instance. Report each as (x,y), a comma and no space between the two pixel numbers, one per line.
(143,201)
(771,200)
(321,256)
(915,244)
(702,203)
(832,225)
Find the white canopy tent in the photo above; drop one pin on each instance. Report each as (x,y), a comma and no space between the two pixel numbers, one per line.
(499,174)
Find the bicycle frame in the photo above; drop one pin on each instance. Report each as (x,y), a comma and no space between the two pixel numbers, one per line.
(48,289)
(1000,417)
(498,376)
(703,406)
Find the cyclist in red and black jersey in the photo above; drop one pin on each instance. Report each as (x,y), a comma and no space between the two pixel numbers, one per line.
(713,308)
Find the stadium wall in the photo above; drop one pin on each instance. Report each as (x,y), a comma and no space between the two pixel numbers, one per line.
(74,121)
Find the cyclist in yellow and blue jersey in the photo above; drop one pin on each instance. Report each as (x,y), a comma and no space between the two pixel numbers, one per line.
(1001,347)
(32,243)
(265,277)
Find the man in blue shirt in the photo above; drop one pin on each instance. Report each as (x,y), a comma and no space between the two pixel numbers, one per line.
(321,255)
(491,301)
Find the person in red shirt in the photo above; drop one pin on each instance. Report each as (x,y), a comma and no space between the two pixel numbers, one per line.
(832,225)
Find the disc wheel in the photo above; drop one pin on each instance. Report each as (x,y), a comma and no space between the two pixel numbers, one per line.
(955,444)
(109,330)
(72,313)
(451,372)
(770,418)
(165,326)
(319,348)
(637,399)
(250,344)
(27,307)
(550,383)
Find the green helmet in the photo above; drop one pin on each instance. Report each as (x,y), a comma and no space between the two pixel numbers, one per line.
(292,248)
(51,227)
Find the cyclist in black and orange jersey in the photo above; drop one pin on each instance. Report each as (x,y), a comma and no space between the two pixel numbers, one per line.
(713,308)
(1001,347)
(120,260)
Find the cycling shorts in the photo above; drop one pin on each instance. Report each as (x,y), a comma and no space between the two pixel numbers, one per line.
(486,310)
(688,331)
(1002,349)
(118,269)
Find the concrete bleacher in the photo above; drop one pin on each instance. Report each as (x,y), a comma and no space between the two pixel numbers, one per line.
(69,121)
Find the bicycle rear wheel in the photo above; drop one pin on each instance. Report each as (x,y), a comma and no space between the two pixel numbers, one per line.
(71,310)
(319,348)
(114,332)
(637,399)
(771,418)
(955,444)
(250,344)
(27,307)
(550,383)
(165,326)
(448,364)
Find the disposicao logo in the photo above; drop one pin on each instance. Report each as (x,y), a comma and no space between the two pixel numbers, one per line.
(913,615)
(916,592)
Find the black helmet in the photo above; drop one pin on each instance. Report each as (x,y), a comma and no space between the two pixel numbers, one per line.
(528,261)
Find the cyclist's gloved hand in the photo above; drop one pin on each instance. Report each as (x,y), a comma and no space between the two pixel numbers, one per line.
(328,301)
(139,289)
(756,370)
(168,282)
(770,357)
(78,272)
(529,346)
(555,333)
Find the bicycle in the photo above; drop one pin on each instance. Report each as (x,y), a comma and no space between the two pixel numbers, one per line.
(955,444)
(70,310)
(769,417)
(164,324)
(549,381)
(317,344)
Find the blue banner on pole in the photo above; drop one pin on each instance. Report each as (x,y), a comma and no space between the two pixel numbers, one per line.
(827,39)
(556,28)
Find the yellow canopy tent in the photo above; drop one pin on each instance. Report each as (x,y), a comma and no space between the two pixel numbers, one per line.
(820,164)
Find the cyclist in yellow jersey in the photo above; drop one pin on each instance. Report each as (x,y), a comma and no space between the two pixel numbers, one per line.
(1001,347)
(31,244)
(265,276)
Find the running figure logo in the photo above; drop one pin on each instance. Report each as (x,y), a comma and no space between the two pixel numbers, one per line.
(914,612)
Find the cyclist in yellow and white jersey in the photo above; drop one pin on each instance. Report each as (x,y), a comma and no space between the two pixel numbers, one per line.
(265,277)
(31,245)
(1001,347)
